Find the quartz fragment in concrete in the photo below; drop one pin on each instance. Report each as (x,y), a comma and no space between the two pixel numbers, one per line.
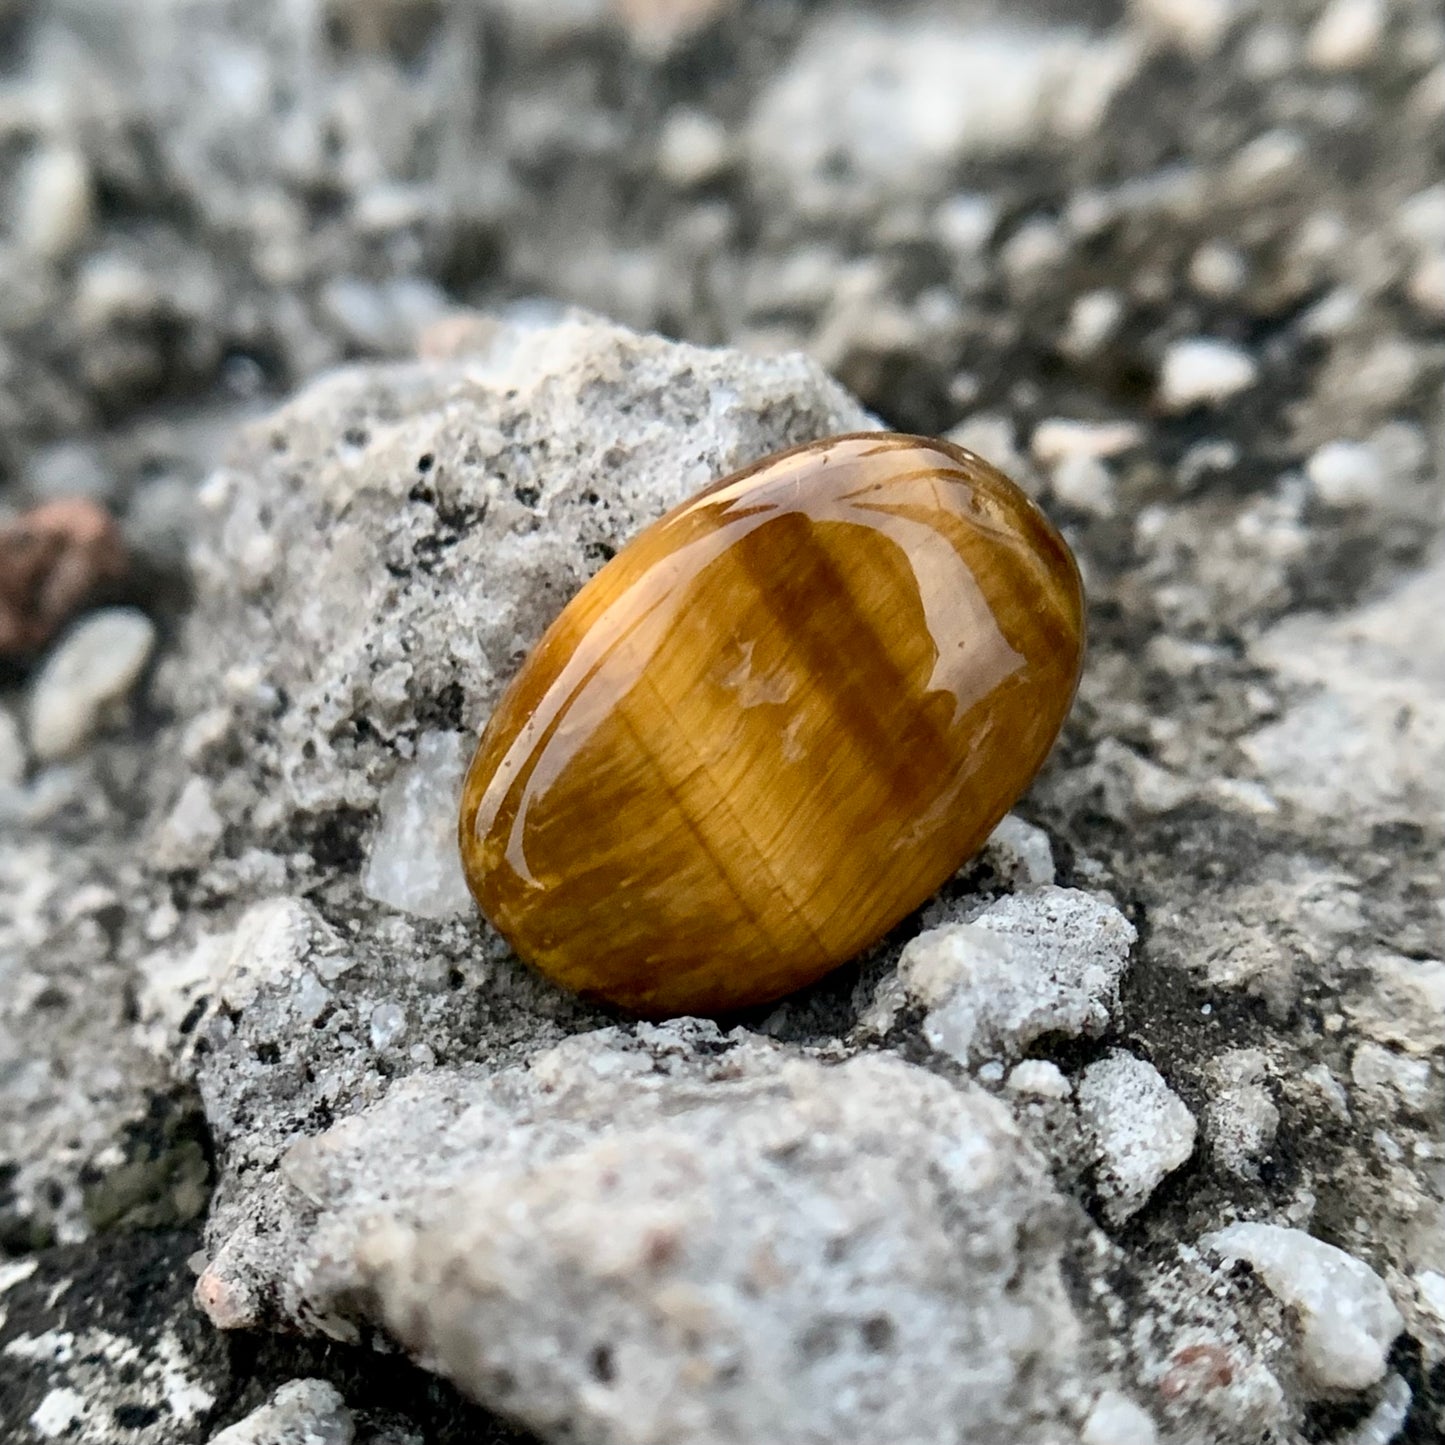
(191,830)
(1047,961)
(87,679)
(678,1235)
(1142,1130)
(305,1412)
(1347,1320)
(414,864)
(1396,1078)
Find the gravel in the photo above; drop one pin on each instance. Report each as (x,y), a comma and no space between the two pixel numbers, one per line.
(289,309)
(1141,1130)
(87,680)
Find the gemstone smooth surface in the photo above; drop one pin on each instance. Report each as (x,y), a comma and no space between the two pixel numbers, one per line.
(773,725)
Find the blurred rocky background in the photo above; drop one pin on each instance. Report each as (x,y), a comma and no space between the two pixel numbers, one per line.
(1135,1135)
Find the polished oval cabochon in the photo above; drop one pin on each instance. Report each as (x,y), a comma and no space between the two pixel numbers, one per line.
(773,725)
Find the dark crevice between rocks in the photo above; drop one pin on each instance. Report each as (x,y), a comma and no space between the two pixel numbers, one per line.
(164,1177)
(136,1286)
(382,1389)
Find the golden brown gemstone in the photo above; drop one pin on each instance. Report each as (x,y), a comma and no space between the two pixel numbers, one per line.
(773,724)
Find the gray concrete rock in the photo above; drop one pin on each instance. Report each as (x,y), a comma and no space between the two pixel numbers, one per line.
(680,1235)
(448,510)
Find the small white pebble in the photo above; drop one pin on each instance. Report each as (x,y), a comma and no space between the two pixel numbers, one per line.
(1037,249)
(1217,270)
(191,829)
(991,436)
(1347,1320)
(1430,1287)
(1058,439)
(1020,853)
(1265,164)
(1347,35)
(56,202)
(692,149)
(310,997)
(1346,474)
(58,1413)
(1196,26)
(1384,1423)
(1244,795)
(1085,484)
(1040,1078)
(1426,287)
(388,1024)
(1094,321)
(1117,1420)
(87,677)
(1200,371)
(1329,1088)
(1375,1067)
(965,223)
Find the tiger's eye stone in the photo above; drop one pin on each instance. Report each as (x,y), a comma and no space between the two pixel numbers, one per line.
(773,725)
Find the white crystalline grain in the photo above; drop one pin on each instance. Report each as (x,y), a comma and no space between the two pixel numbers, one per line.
(414,864)
(58,1413)
(88,675)
(1142,1130)
(1347,1320)
(1200,371)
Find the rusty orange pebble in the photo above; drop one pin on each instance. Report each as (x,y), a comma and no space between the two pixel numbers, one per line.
(773,725)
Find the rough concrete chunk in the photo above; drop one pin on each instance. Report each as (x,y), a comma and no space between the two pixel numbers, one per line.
(1047,961)
(681,1236)
(1141,1128)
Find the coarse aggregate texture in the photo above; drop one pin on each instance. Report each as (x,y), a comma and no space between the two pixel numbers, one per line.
(200,991)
